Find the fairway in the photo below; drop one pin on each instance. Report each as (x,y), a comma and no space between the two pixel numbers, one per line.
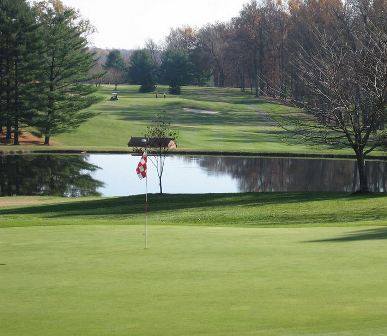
(98,280)
(239,121)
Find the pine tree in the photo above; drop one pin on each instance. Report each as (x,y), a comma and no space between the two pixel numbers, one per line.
(143,70)
(115,64)
(67,62)
(176,69)
(19,66)
(3,117)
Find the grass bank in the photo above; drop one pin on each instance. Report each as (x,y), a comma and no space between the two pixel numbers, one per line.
(247,210)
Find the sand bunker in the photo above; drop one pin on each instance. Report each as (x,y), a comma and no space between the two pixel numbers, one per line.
(264,116)
(200,111)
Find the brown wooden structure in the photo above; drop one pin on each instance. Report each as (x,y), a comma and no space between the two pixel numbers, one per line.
(141,142)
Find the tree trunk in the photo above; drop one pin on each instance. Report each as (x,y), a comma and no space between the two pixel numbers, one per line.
(16,132)
(221,78)
(242,81)
(355,177)
(9,132)
(362,172)
(255,77)
(47,140)
(16,107)
(257,87)
(160,185)
(8,103)
(259,70)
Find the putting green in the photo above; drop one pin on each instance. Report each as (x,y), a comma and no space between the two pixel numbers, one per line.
(98,280)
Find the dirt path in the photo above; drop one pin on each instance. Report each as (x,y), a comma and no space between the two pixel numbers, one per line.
(26,138)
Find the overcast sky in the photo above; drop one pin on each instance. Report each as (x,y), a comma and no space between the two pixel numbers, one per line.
(126,24)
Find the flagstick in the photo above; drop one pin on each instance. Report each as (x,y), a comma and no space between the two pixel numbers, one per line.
(146,211)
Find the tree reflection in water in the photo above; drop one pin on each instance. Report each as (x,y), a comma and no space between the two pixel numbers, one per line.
(49,175)
(289,174)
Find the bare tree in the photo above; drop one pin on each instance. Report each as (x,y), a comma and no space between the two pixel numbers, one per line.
(347,81)
(250,30)
(159,136)
(183,38)
(213,41)
(154,51)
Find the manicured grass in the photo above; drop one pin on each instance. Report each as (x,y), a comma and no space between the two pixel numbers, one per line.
(236,127)
(277,264)
(242,123)
(250,209)
(98,280)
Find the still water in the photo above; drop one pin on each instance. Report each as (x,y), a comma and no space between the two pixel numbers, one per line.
(114,175)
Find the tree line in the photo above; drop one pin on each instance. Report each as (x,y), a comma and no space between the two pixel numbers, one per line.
(258,50)
(148,67)
(44,66)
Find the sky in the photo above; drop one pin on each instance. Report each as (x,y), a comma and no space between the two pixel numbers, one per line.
(127,24)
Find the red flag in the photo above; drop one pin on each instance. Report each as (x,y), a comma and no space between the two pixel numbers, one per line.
(142,166)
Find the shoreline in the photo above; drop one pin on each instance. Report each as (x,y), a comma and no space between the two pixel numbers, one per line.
(194,152)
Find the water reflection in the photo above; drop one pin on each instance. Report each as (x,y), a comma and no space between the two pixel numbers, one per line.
(287,174)
(114,175)
(55,175)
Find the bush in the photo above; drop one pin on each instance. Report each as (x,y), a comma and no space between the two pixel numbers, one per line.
(176,90)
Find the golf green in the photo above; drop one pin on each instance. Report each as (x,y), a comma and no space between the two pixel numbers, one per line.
(99,280)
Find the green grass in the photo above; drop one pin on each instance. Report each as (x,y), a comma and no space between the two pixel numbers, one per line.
(250,209)
(238,127)
(249,264)
(99,280)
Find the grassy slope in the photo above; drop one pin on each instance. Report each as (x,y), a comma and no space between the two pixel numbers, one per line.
(238,126)
(94,280)
(251,209)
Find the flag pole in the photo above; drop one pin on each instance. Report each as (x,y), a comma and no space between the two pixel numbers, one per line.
(142,171)
(146,211)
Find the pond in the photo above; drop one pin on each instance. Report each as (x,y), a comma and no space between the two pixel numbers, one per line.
(114,175)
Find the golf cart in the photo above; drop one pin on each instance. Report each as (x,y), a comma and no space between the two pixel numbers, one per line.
(114,96)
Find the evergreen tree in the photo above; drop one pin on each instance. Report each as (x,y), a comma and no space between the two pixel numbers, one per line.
(143,70)
(19,66)
(67,62)
(3,86)
(114,60)
(116,66)
(176,69)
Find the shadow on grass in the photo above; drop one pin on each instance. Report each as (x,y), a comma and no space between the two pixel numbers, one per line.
(370,234)
(177,114)
(133,205)
(235,109)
